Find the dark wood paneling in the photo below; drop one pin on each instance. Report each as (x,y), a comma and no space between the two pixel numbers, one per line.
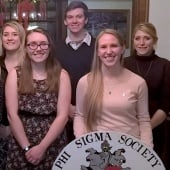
(140,10)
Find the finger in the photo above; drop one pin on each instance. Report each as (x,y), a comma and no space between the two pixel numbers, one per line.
(35,162)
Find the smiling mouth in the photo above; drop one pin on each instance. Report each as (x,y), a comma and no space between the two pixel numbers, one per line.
(10,43)
(142,47)
(74,26)
(39,54)
(110,58)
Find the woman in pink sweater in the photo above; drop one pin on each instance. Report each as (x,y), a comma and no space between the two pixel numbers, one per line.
(111,97)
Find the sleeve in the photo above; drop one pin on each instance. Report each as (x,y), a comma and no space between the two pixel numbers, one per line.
(165,96)
(143,115)
(79,123)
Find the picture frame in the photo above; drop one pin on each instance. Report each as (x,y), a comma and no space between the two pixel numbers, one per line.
(118,19)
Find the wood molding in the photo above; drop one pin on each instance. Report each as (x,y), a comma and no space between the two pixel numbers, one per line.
(140,11)
(62,4)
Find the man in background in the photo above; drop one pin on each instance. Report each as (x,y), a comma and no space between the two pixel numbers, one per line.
(75,53)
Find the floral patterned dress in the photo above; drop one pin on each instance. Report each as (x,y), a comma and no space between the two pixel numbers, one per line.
(37,112)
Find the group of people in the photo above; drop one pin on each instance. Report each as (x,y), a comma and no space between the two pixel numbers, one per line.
(36,92)
(48,100)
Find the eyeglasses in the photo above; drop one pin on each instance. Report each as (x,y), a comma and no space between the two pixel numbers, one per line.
(34,46)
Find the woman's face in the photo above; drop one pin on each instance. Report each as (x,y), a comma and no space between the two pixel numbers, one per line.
(109,50)
(143,43)
(10,39)
(37,47)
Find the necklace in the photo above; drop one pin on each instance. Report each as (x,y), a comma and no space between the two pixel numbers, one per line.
(110,87)
(147,71)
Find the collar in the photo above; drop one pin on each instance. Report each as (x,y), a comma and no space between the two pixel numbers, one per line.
(146,57)
(76,45)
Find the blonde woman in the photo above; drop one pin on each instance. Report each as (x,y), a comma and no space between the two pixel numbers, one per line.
(155,70)
(13,39)
(111,97)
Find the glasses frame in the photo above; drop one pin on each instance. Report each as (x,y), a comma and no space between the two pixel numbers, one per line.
(38,45)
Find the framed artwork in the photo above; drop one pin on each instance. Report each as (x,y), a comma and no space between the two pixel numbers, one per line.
(100,19)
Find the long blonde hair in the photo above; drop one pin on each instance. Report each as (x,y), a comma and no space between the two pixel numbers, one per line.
(21,32)
(53,68)
(93,101)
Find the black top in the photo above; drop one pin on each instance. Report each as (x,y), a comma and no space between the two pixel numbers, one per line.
(3,111)
(76,62)
(156,72)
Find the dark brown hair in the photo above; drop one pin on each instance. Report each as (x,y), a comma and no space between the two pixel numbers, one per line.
(77,4)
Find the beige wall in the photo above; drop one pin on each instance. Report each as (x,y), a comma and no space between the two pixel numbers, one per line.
(159,15)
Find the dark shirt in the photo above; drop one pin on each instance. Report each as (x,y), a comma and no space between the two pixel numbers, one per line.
(155,70)
(76,62)
(3,76)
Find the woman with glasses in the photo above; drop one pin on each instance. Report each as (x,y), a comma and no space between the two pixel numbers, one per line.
(13,39)
(38,97)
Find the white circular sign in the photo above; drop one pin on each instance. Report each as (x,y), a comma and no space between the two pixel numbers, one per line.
(107,151)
